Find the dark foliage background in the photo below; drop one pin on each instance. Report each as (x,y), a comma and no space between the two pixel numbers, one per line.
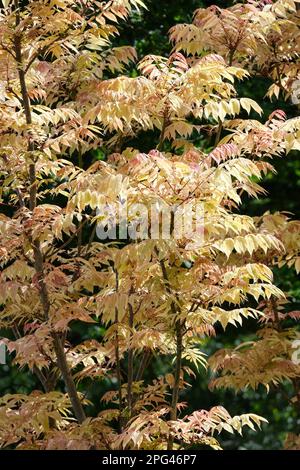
(149,33)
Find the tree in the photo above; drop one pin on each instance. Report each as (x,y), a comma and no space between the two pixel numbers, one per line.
(262,38)
(83,242)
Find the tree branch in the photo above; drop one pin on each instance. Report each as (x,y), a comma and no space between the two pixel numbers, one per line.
(179,349)
(130,362)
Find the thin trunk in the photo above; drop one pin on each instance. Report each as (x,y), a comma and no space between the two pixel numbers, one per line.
(68,379)
(38,256)
(143,365)
(231,56)
(175,393)
(117,355)
(179,350)
(140,371)
(130,363)
(163,131)
(219,132)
